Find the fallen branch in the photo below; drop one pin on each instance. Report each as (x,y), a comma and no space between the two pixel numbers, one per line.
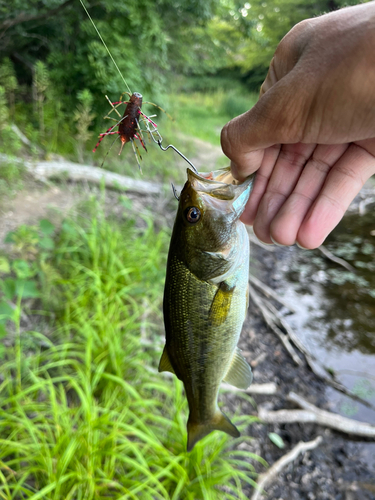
(341,262)
(76,172)
(268,292)
(268,389)
(43,170)
(277,467)
(270,320)
(337,385)
(312,414)
(288,329)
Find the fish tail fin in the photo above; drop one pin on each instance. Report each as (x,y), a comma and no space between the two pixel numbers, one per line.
(220,422)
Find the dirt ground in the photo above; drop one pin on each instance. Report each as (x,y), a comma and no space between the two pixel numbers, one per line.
(342,467)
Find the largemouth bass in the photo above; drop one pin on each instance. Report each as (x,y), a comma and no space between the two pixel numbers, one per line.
(205,297)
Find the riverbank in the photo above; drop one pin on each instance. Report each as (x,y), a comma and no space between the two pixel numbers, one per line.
(341,467)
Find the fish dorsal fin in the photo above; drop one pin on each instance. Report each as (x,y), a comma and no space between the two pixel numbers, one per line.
(165,364)
(221,304)
(239,373)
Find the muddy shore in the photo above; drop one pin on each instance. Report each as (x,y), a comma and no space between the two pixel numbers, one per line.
(342,467)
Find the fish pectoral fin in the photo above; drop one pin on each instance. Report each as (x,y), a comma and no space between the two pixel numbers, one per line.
(220,422)
(239,373)
(221,304)
(165,364)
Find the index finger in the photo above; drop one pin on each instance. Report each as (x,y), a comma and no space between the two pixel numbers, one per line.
(277,118)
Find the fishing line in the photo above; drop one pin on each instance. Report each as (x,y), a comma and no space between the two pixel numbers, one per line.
(101,38)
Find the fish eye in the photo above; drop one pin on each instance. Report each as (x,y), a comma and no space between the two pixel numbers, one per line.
(192,214)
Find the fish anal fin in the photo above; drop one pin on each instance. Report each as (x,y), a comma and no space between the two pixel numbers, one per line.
(221,304)
(165,364)
(239,373)
(220,422)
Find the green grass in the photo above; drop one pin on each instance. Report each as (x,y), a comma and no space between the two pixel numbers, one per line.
(203,115)
(83,412)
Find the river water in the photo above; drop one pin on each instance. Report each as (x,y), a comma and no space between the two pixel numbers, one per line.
(335,309)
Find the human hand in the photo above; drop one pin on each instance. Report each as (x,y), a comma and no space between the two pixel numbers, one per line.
(311,135)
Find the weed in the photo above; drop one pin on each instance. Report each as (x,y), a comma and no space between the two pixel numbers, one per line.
(81,414)
(83,117)
(11,173)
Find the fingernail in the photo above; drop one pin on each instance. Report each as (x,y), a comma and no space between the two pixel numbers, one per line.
(264,243)
(278,244)
(301,247)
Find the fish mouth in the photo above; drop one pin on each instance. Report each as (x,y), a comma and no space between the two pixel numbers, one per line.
(221,185)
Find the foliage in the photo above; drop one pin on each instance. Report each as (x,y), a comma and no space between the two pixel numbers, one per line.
(141,36)
(81,415)
(4,112)
(52,56)
(276,439)
(83,117)
(11,176)
(150,41)
(10,169)
(41,84)
(263,23)
(8,80)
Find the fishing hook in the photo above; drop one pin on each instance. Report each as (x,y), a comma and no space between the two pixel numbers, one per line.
(178,152)
(159,140)
(175,192)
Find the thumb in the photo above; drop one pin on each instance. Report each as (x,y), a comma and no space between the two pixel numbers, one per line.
(277,118)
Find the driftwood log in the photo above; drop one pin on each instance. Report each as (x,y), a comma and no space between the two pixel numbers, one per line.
(313,414)
(76,172)
(44,170)
(268,389)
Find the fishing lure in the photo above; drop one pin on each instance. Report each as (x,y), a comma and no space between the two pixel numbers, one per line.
(128,125)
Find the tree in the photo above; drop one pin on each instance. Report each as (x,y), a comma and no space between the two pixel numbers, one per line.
(142,35)
(264,23)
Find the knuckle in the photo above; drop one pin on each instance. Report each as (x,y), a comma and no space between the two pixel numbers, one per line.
(292,157)
(226,140)
(337,204)
(320,165)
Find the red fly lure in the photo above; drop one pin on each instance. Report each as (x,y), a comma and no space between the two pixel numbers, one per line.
(128,124)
